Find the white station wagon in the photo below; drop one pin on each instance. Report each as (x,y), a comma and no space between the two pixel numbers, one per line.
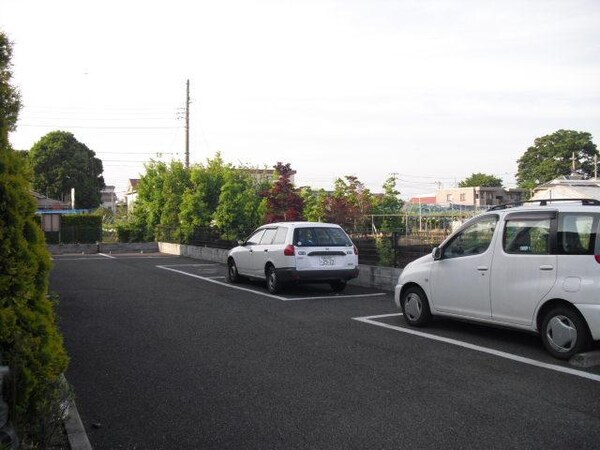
(287,252)
(534,267)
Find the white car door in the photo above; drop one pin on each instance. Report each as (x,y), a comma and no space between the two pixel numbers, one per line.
(260,253)
(244,257)
(460,279)
(524,270)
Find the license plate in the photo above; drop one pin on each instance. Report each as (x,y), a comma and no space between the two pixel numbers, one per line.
(327,261)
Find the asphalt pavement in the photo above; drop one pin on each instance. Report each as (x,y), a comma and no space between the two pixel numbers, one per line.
(165,354)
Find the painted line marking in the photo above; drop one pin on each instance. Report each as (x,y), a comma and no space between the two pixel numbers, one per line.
(107,256)
(193,265)
(81,259)
(532,362)
(210,280)
(214,279)
(379,294)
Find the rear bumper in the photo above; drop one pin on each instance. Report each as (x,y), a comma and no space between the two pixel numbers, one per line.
(290,274)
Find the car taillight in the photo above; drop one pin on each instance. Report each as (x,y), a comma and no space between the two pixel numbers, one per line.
(289,250)
(355,250)
(597,258)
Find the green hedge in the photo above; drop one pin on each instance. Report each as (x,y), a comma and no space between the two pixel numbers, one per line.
(30,342)
(80,228)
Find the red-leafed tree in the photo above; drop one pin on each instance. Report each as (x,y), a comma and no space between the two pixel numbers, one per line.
(284,202)
(350,204)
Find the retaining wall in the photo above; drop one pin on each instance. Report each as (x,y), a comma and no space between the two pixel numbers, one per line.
(133,247)
(369,276)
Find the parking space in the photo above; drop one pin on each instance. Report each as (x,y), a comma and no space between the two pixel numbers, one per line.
(215,273)
(521,347)
(171,329)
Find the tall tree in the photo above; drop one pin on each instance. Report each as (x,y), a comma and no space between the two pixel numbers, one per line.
(241,208)
(551,156)
(201,199)
(30,342)
(481,180)
(284,203)
(350,203)
(60,162)
(315,204)
(389,203)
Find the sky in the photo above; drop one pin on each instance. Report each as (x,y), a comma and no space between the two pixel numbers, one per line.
(429,91)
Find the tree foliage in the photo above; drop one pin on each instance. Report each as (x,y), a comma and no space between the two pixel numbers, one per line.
(200,201)
(551,157)
(60,162)
(350,203)
(481,180)
(30,342)
(389,203)
(283,202)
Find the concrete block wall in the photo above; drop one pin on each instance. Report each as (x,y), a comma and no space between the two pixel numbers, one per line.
(384,278)
(133,247)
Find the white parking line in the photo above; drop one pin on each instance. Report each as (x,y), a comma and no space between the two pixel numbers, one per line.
(379,294)
(107,256)
(213,279)
(532,362)
(210,280)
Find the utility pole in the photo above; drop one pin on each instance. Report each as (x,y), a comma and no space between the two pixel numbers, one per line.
(187,125)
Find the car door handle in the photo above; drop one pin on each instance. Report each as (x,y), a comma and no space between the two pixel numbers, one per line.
(266,249)
(546,267)
(250,251)
(482,268)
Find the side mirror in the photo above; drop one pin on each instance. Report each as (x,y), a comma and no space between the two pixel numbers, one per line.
(436,253)
(241,243)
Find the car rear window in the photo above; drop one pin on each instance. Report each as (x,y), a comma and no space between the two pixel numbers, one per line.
(577,234)
(321,237)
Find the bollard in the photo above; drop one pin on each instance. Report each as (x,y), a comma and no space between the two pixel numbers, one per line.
(8,435)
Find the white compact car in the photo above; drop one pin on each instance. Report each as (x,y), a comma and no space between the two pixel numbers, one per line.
(287,252)
(534,267)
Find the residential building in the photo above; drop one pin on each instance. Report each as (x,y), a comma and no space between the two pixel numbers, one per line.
(108,198)
(479,197)
(131,193)
(572,186)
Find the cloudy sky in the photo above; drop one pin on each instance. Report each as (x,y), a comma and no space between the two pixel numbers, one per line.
(430,90)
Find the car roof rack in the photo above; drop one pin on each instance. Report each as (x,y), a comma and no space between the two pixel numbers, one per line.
(546,201)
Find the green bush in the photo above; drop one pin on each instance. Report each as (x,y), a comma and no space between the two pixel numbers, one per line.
(385,250)
(30,342)
(81,228)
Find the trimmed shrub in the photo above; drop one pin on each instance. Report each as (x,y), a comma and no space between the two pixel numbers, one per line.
(30,342)
(81,228)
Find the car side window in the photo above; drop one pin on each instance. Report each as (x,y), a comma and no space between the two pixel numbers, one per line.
(577,234)
(473,240)
(527,236)
(254,238)
(267,237)
(280,235)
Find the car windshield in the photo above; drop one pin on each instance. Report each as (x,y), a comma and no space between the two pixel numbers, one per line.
(321,237)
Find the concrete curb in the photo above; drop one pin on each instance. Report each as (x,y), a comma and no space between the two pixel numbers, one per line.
(78,439)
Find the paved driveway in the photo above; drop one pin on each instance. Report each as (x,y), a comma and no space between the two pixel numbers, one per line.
(166,355)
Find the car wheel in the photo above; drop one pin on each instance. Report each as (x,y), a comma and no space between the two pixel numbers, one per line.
(273,284)
(564,332)
(232,273)
(415,307)
(338,286)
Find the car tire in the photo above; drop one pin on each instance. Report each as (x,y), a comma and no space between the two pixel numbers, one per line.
(564,332)
(415,307)
(233,275)
(274,286)
(338,286)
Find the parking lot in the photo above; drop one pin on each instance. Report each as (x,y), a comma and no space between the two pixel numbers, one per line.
(165,350)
